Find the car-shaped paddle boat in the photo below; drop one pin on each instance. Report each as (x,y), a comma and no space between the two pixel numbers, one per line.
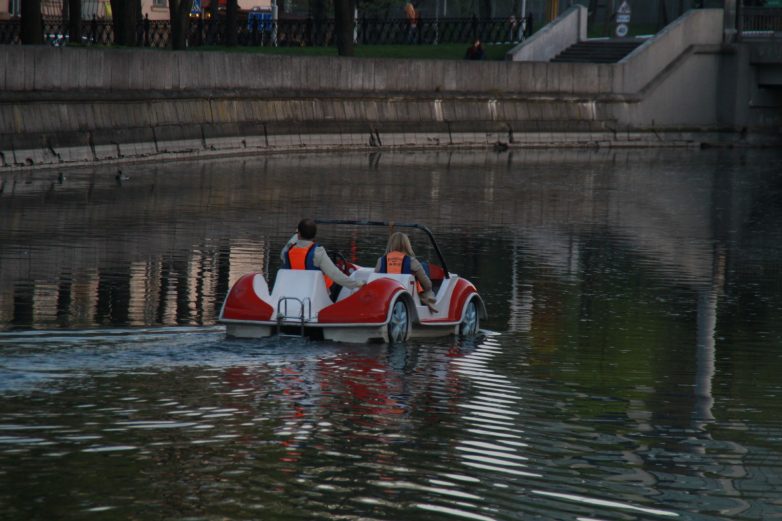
(387,308)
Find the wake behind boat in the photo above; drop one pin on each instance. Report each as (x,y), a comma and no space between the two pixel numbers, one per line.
(387,308)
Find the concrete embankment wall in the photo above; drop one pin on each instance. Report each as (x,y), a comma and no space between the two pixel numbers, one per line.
(79,105)
(64,105)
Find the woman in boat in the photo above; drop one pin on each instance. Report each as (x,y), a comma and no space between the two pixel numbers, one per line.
(399,258)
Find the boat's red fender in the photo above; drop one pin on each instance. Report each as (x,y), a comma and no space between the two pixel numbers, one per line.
(461,293)
(368,305)
(243,304)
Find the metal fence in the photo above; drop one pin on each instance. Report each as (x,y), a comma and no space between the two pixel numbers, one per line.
(760,22)
(296,33)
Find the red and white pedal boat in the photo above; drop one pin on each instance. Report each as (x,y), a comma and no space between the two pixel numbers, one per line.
(387,308)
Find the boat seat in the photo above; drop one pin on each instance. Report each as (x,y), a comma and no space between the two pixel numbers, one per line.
(294,288)
(435,273)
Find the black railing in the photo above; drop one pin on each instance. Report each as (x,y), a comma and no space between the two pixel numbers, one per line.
(760,21)
(10,31)
(298,33)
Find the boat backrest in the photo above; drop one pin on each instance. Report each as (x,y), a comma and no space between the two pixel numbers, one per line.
(294,288)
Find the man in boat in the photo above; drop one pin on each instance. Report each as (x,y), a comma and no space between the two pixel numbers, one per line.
(303,253)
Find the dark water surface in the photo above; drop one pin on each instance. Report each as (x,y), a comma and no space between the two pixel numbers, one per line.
(630,367)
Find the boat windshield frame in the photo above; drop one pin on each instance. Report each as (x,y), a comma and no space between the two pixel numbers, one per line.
(393,224)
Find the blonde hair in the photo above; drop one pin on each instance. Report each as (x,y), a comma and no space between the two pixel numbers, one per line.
(398,241)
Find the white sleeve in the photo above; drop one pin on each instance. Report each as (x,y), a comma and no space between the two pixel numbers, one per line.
(322,261)
(284,252)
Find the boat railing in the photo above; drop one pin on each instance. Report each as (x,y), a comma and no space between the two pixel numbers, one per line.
(284,317)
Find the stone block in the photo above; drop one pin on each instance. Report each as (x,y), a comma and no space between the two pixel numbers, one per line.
(177,138)
(145,149)
(225,143)
(4,70)
(255,141)
(282,140)
(79,154)
(49,69)
(586,78)
(537,80)
(106,152)
(605,78)
(35,156)
(19,68)
(179,145)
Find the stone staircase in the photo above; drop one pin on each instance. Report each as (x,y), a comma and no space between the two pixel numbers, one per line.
(598,51)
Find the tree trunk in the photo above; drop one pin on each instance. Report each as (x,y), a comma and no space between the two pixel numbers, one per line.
(74,21)
(343,27)
(135,24)
(179,11)
(318,10)
(124,14)
(488,9)
(662,12)
(32,23)
(231,18)
(214,20)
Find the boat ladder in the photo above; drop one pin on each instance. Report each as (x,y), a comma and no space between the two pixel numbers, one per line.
(284,316)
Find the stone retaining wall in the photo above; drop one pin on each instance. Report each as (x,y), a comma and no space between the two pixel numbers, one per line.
(72,105)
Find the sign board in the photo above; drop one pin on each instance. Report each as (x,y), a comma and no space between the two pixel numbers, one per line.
(260,20)
(622,19)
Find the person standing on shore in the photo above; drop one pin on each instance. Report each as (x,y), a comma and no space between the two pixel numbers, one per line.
(475,52)
(412,22)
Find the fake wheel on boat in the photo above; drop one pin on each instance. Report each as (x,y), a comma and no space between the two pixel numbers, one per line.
(471,322)
(399,325)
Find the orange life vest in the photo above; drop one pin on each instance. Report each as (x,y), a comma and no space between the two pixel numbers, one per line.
(398,262)
(302,258)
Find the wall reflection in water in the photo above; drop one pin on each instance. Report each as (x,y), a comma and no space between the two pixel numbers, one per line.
(163,244)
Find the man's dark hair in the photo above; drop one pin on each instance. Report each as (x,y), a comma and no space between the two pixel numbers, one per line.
(307,229)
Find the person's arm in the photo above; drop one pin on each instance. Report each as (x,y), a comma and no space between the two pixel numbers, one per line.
(427,297)
(421,276)
(322,261)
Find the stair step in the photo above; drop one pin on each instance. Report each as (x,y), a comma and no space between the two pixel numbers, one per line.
(601,51)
